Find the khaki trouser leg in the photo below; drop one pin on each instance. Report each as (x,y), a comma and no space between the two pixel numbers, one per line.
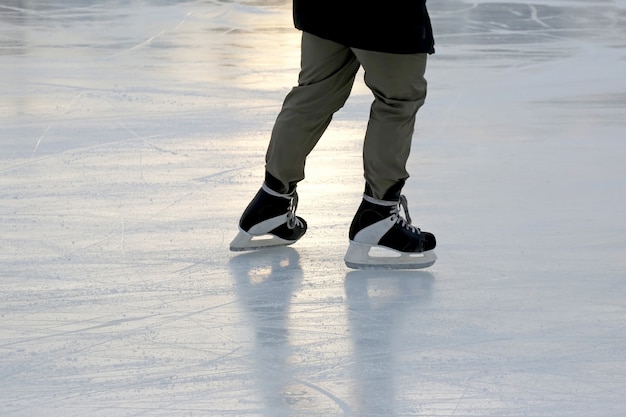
(399,88)
(324,84)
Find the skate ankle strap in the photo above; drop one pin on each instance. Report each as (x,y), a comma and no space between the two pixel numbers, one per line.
(379,202)
(271,192)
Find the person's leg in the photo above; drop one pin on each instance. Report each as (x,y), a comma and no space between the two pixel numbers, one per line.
(399,88)
(324,84)
(325,81)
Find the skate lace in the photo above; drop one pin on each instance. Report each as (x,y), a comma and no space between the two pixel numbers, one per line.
(292,220)
(397,218)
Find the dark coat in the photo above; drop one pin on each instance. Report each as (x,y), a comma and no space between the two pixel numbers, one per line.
(395,26)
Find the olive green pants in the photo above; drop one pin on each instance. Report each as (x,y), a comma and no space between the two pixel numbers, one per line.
(327,73)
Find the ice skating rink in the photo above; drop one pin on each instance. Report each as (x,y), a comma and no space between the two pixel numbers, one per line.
(132,135)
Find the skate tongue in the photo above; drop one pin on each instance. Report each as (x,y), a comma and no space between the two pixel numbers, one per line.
(405,206)
(292,220)
(406,221)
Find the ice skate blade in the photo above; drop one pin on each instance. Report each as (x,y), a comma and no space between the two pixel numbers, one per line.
(362,256)
(245,241)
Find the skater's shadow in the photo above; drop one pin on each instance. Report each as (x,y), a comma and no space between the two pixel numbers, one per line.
(265,282)
(379,306)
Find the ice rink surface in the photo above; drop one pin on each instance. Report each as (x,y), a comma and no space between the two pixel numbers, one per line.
(132,135)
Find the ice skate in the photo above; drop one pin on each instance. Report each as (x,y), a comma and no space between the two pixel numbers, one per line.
(269,220)
(381,238)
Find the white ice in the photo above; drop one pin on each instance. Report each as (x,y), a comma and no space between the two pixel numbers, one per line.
(132,135)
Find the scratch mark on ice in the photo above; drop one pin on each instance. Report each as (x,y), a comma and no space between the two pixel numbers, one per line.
(344,407)
(110,323)
(534,16)
(64,111)
(122,238)
(41,138)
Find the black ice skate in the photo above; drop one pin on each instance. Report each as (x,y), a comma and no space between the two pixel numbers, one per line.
(269,220)
(381,238)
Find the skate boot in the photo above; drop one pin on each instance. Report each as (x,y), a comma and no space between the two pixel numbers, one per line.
(381,238)
(269,220)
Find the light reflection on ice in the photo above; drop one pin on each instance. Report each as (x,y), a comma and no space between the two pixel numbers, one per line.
(132,135)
